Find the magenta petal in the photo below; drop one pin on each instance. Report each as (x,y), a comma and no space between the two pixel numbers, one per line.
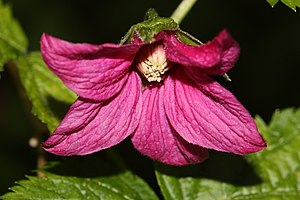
(155,137)
(89,127)
(231,51)
(81,113)
(215,57)
(92,71)
(204,56)
(206,114)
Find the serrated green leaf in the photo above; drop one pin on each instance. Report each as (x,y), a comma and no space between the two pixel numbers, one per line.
(50,98)
(293,4)
(277,169)
(117,187)
(272,2)
(13,41)
(114,184)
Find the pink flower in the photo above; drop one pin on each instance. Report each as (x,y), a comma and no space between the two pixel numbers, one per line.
(180,113)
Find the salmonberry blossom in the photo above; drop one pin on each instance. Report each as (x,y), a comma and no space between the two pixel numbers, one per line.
(179,113)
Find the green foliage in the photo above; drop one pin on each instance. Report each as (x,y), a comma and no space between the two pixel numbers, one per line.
(121,186)
(275,171)
(50,98)
(117,183)
(293,4)
(13,41)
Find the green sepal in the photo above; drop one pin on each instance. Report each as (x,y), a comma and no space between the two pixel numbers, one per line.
(187,38)
(152,25)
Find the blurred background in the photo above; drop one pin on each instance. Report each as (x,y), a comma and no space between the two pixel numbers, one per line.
(265,78)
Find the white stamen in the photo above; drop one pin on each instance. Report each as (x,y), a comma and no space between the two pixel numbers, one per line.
(152,62)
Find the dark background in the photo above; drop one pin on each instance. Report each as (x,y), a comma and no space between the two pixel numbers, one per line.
(265,78)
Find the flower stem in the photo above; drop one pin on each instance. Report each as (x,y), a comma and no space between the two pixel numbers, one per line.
(182,10)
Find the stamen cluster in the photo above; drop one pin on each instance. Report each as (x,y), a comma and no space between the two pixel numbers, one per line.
(152,62)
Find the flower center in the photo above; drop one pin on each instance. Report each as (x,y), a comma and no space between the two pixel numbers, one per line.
(152,62)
